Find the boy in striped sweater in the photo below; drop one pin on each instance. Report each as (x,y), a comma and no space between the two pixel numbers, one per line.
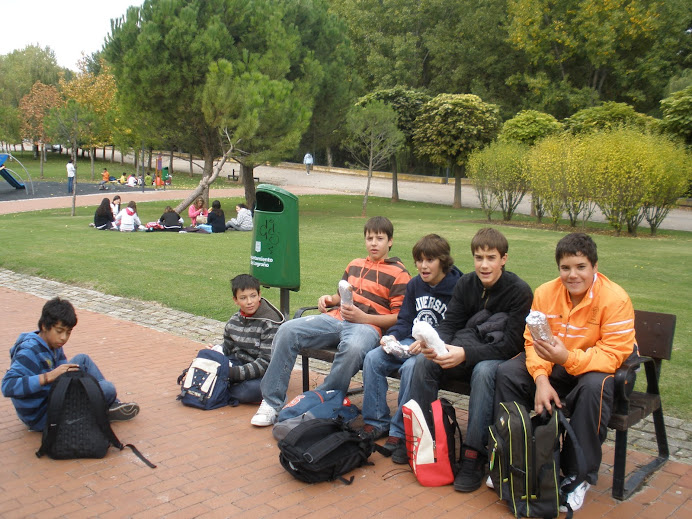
(379,284)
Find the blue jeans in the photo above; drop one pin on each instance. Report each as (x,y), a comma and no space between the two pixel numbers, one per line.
(425,384)
(353,340)
(246,391)
(378,364)
(88,366)
(70,185)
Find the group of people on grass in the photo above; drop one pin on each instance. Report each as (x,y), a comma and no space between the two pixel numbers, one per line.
(480,317)
(109,216)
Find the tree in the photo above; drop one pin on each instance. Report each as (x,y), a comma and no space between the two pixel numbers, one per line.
(173,44)
(530,126)
(10,124)
(407,104)
(450,127)
(21,69)
(677,114)
(372,138)
(69,123)
(95,92)
(34,108)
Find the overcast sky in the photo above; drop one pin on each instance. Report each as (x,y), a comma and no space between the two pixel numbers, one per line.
(68,27)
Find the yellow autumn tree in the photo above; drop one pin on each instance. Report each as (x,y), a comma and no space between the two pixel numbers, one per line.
(95,93)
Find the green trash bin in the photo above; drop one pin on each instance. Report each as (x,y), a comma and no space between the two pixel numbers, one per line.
(275,255)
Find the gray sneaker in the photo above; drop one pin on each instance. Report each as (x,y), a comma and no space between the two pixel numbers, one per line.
(122,411)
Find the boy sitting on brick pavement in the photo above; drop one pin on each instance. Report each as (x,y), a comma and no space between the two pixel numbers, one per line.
(38,359)
(379,283)
(426,299)
(247,339)
(483,326)
(592,322)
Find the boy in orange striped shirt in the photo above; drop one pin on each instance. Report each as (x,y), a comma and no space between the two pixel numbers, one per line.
(379,284)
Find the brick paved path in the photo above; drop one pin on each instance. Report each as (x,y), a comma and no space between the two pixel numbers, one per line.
(214,463)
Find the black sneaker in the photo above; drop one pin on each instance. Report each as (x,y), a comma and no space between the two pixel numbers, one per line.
(122,411)
(400,454)
(470,475)
(371,432)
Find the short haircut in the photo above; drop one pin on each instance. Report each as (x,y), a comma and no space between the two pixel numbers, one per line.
(433,246)
(577,244)
(489,238)
(57,311)
(244,282)
(379,224)
(132,205)
(242,205)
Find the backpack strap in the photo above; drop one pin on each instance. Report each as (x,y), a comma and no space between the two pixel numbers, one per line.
(92,388)
(55,404)
(326,445)
(578,452)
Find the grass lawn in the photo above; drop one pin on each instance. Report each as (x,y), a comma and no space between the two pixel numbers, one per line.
(191,272)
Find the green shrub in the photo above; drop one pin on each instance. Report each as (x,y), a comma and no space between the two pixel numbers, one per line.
(608,116)
(499,174)
(530,126)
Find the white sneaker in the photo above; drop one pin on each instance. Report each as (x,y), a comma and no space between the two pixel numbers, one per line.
(265,415)
(489,483)
(575,499)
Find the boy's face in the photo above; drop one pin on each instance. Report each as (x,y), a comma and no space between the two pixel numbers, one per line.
(248,300)
(430,270)
(57,336)
(488,265)
(377,244)
(576,274)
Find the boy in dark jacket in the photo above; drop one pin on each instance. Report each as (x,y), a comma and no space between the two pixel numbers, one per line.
(38,359)
(482,327)
(426,299)
(247,339)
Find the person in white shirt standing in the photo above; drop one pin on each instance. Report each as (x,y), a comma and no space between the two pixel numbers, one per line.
(307,160)
(71,172)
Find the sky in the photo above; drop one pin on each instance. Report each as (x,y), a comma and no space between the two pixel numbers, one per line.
(68,27)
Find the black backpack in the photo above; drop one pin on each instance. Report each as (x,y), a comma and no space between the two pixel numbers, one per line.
(322,449)
(77,424)
(525,460)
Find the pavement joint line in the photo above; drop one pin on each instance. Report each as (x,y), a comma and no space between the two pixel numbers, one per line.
(201,329)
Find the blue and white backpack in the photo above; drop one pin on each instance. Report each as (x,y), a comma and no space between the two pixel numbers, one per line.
(206,383)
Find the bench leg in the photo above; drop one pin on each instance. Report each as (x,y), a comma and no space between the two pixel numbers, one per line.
(619,465)
(306,372)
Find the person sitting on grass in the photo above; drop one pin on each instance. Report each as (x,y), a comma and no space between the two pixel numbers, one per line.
(127,219)
(247,339)
(426,299)
(216,220)
(197,211)
(592,323)
(103,217)
(123,179)
(243,220)
(38,359)
(170,220)
(379,283)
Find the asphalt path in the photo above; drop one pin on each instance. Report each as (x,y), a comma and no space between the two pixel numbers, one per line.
(291,177)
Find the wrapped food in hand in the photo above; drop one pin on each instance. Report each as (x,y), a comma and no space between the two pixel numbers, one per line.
(345,292)
(422,331)
(393,347)
(539,327)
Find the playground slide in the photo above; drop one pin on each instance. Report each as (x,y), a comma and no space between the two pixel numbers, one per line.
(7,175)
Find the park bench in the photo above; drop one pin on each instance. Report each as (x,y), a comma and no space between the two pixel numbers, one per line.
(654,333)
(235,177)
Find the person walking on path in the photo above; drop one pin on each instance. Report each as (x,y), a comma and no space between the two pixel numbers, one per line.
(71,172)
(307,160)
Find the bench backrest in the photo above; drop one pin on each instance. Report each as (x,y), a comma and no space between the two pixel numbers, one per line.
(655,333)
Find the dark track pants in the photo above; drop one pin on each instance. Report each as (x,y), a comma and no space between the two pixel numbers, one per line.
(586,399)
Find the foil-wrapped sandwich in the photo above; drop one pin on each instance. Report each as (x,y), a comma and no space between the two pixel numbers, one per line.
(538,326)
(345,292)
(394,347)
